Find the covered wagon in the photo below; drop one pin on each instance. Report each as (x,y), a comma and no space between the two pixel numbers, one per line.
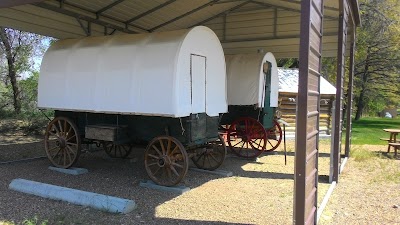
(252,89)
(164,90)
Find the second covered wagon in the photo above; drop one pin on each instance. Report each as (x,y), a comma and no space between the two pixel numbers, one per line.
(165,90)
(252,91)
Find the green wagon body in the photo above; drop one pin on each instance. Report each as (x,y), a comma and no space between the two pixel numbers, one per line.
(191,131)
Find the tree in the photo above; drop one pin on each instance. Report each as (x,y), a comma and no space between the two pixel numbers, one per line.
(378,56)
(18,51)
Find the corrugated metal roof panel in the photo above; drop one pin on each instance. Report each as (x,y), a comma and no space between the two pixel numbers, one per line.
(240,30)
(289,82)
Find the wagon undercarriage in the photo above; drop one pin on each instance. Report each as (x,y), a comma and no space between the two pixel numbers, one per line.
(171,142)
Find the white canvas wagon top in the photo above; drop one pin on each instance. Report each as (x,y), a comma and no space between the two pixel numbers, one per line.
(246,79)
(172,74)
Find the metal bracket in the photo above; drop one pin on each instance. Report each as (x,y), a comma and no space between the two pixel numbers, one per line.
(88,29)
(106,31)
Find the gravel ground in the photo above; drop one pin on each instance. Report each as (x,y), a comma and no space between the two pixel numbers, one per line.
(259,192)
(265,185)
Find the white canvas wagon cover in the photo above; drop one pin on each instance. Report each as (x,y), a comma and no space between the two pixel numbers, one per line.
(246,79)
(172,74)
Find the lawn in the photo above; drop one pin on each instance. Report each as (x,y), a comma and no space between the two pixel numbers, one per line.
(369,130)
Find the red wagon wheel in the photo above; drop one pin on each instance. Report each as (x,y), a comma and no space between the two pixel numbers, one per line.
(274,137)
(247,137)
(62,142)
(166,161)
(117,151)
(212,156)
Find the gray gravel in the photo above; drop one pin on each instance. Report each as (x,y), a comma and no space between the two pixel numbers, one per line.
(258,193)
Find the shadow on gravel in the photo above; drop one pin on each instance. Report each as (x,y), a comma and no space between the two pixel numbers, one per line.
(114,177)
(390,155)
(320,154)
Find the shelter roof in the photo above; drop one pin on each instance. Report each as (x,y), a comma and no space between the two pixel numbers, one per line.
(243,26)
(289,82)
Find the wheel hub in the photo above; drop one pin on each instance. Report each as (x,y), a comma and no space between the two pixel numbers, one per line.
(164,161)
(61,143)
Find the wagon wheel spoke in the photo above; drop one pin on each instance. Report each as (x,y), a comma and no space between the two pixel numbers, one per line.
(62,142)
(241,148)
(169,175)
(253,130)
(71,150)
(158,169)
(70,143)
(275,135)
(172,160)
(153,164)
(53,148)
(68,139)
(251,144)
(57,153)
(153,156)
(178,165)
(117,150)
(208,160)
(212,156)
(69,130)
(56,130)
(174,170)
(197,159)
(120,150)
(68,153)
(255,142)
(168,146)
(157,150)
(62,133)
(162,147)
(238,143)
(59,159)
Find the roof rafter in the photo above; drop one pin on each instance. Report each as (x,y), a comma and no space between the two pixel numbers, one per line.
(285,8)
(278,7)
(299,2)
(83,17)
(149,11)
(86,10)
(183,15)
(222,13)
(108,7)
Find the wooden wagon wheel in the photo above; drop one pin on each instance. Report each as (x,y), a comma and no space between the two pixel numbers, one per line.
(212,156)
(117,150)
(62,142)
(166,161)
(247,137)
(274,135)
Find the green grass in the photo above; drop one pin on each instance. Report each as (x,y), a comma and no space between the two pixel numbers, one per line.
(369,130)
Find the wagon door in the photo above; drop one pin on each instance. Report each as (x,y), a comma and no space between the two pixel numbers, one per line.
(268,110)
(198,97)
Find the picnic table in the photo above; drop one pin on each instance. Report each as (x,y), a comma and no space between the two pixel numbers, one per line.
(392,141)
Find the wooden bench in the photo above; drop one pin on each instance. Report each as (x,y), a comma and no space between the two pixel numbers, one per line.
(395,146)
(389,141)
(384,139)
